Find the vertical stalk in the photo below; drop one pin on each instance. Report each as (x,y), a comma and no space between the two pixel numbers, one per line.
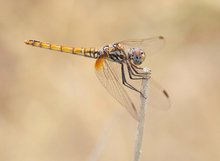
(140,126)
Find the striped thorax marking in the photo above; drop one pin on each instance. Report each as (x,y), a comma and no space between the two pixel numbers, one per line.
(114,52)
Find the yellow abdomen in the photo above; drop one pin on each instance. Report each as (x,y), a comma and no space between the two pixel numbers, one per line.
(88,52)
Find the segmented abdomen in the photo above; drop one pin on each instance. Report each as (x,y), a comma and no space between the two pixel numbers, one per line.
(88,52)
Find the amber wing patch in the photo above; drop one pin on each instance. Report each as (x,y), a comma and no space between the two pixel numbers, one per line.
(99,63)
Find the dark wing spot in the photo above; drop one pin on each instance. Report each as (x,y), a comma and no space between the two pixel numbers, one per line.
(161,37)
(165,93)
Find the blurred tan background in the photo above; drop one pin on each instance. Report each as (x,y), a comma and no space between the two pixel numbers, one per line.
(52,106)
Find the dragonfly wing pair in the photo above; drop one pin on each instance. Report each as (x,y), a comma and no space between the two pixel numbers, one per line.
(110,75)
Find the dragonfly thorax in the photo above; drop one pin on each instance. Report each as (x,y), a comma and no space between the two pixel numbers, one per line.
(137,56)
(115,53)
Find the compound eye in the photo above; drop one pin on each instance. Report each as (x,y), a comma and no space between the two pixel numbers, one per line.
(137,60)
(138,56)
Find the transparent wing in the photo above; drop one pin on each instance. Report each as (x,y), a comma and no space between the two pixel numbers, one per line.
(109,75)
(158,96)
(149,45)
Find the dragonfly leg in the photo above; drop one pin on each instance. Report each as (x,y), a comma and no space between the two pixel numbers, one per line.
(135,68)
(124,81)
(132,72)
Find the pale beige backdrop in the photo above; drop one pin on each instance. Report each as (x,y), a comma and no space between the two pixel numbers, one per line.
(53,108)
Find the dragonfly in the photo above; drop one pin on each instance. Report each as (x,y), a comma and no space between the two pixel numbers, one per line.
(118,68)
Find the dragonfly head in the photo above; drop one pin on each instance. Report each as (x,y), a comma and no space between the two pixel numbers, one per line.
(137,56)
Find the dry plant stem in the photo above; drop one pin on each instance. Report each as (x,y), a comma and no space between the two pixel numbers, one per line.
(140,126)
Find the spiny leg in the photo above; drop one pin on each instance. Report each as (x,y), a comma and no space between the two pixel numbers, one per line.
(132,74)
(135,68)
(124,81)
